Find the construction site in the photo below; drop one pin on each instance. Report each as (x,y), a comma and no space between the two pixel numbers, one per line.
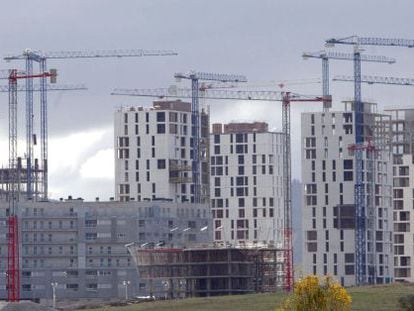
(181,247)
(205,271)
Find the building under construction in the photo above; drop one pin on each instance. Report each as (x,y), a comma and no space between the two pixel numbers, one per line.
(6,175)
(205,271)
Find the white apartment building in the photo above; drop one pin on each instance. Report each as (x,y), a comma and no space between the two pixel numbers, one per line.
(153,153)
(246,182)
(328,177)
(403,193)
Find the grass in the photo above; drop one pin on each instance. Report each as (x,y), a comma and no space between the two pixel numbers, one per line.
(378,298)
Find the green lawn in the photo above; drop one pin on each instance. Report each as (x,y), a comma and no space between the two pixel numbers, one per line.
(364,298)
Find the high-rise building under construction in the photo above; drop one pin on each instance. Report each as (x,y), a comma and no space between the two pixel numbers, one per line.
(154,153)
(329,184)
(246,183)
(402,121)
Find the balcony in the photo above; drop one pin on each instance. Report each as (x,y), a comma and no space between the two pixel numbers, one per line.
(180,180)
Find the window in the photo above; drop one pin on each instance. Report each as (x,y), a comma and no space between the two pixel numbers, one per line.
(349,257)
(240,149)
(348,176)
(217,181)
(312,235)
(239,138)
(216,139)
(90,236)
(348,165)
(160,116)
(349,269)
(161,128)
(161,164)
(240,191)
(312,247)
(73,287)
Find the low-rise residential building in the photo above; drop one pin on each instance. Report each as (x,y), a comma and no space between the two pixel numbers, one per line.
(81,245)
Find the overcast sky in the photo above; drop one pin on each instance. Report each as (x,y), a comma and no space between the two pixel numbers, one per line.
(262,39)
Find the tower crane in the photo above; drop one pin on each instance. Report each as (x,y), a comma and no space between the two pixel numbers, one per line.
(377,80)
(50,87)
(13,259)
(195,77)
(326,55)
(286,98)
(36,88)
(359,193)
(30,56)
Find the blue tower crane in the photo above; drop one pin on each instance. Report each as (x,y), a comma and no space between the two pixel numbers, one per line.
(377,80)
(50,87)
(359,194)
(195,77)
(326,55)
(30,56)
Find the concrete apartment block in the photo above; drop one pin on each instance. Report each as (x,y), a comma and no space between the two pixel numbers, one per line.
(328,177)
(246,182)
(153,152)
(402,121)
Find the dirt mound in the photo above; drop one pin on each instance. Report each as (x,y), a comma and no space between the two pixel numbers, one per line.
(24,306)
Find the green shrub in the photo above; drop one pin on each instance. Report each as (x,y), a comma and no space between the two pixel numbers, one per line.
(406,303)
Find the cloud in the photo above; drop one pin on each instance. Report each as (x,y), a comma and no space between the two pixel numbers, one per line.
(66,153)
(100,165)
(82,164)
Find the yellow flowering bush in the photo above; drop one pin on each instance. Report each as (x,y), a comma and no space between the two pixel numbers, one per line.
(315,294)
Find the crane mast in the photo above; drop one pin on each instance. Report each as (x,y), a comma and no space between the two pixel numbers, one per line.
(195,77)
(13,275)
(286,98)
(13,257)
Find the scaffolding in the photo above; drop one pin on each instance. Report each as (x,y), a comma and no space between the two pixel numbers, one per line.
(206,271)
(6,175)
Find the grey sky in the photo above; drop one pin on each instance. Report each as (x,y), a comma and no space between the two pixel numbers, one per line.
(261,39)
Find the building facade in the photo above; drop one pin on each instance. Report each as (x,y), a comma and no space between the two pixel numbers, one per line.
(328,177)
(246,188)
(154,152)
(402,121)
(81,245)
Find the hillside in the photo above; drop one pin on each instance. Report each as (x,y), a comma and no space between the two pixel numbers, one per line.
(377,298)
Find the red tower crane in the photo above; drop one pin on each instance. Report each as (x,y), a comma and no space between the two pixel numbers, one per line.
(286,98)
(13,266)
